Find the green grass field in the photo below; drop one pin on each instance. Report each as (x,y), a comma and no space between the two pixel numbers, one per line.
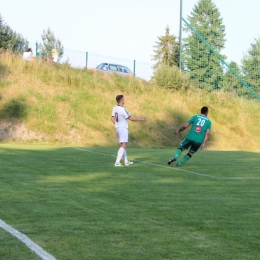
(76,205)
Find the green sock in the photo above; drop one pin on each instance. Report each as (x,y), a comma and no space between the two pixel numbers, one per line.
(185,158)
(177,153)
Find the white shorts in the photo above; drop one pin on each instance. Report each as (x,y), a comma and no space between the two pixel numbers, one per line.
(122,134)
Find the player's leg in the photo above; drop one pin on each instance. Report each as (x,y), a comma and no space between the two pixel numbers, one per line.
(123,143)
(185,144)
(120,154)
(193,149)
(127,163)
(185,158)
(122,134)
(125,156)
(176,155)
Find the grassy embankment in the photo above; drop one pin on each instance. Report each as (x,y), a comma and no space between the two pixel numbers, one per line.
(71,106)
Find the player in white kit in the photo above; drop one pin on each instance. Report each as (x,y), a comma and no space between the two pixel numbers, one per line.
(120,117)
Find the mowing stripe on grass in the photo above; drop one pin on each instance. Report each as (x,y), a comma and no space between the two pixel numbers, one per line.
(177,169)
(152,164)
(27,241)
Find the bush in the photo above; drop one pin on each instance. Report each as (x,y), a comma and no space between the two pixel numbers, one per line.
(171,77)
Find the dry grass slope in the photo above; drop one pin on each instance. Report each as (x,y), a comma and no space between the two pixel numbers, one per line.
(44,103)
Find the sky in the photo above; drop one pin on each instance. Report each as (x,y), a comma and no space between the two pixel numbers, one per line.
(124,29)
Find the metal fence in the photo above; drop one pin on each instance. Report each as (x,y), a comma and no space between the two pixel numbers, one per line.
(81,59)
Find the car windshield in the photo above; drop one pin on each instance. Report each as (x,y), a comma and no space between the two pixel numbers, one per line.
(100,66)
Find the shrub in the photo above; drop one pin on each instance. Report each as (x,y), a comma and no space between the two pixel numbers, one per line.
(170,77)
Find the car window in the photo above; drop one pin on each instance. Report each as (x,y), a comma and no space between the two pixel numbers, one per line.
(112,67)
(125,69)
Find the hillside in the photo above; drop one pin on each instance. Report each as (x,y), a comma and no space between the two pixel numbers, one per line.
(47,104)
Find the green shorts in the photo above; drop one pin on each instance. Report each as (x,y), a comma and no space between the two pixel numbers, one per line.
(194,146)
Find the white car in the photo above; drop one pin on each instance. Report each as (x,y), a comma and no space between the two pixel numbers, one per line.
(115,68)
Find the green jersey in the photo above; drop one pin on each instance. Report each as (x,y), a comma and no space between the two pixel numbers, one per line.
(200,125)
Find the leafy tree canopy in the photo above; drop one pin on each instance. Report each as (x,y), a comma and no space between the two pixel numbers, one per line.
(10,40)
(50,42)
(230,81)
(166,50)
(204,67)
(251,66)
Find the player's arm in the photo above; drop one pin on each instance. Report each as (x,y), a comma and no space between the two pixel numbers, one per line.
(113,119)
(143,118)
(183,127)
(205,139)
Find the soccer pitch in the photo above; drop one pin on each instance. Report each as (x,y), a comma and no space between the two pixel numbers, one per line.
(74,204)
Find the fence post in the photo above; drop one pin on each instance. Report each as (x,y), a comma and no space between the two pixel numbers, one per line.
(36,54)
(87,60)
(134,67)
(180,36)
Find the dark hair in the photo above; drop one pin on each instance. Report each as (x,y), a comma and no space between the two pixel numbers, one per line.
(118,98)
(29,50)
(204,110)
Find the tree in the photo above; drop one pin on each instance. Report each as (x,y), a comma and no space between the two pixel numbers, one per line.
(1,22)
(251,66)
(230,81)
(49,42)
(10,40)
(166,50)
(204,67)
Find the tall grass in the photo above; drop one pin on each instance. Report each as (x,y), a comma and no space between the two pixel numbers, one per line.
(65,105)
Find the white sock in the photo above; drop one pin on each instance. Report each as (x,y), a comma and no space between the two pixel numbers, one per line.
(119,154)
(125,156)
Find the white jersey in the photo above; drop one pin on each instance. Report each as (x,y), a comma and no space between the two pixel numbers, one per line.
(27,55)
(121,115)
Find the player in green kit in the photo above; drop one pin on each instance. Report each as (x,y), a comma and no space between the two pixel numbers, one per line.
(196,138)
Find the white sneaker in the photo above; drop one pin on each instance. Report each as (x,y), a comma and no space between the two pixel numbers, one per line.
(118,164)
(128,163)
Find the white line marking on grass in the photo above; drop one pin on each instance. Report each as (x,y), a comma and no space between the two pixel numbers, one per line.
(177,169)
(157,165)
(27,241)
(240,178)
(85,150)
